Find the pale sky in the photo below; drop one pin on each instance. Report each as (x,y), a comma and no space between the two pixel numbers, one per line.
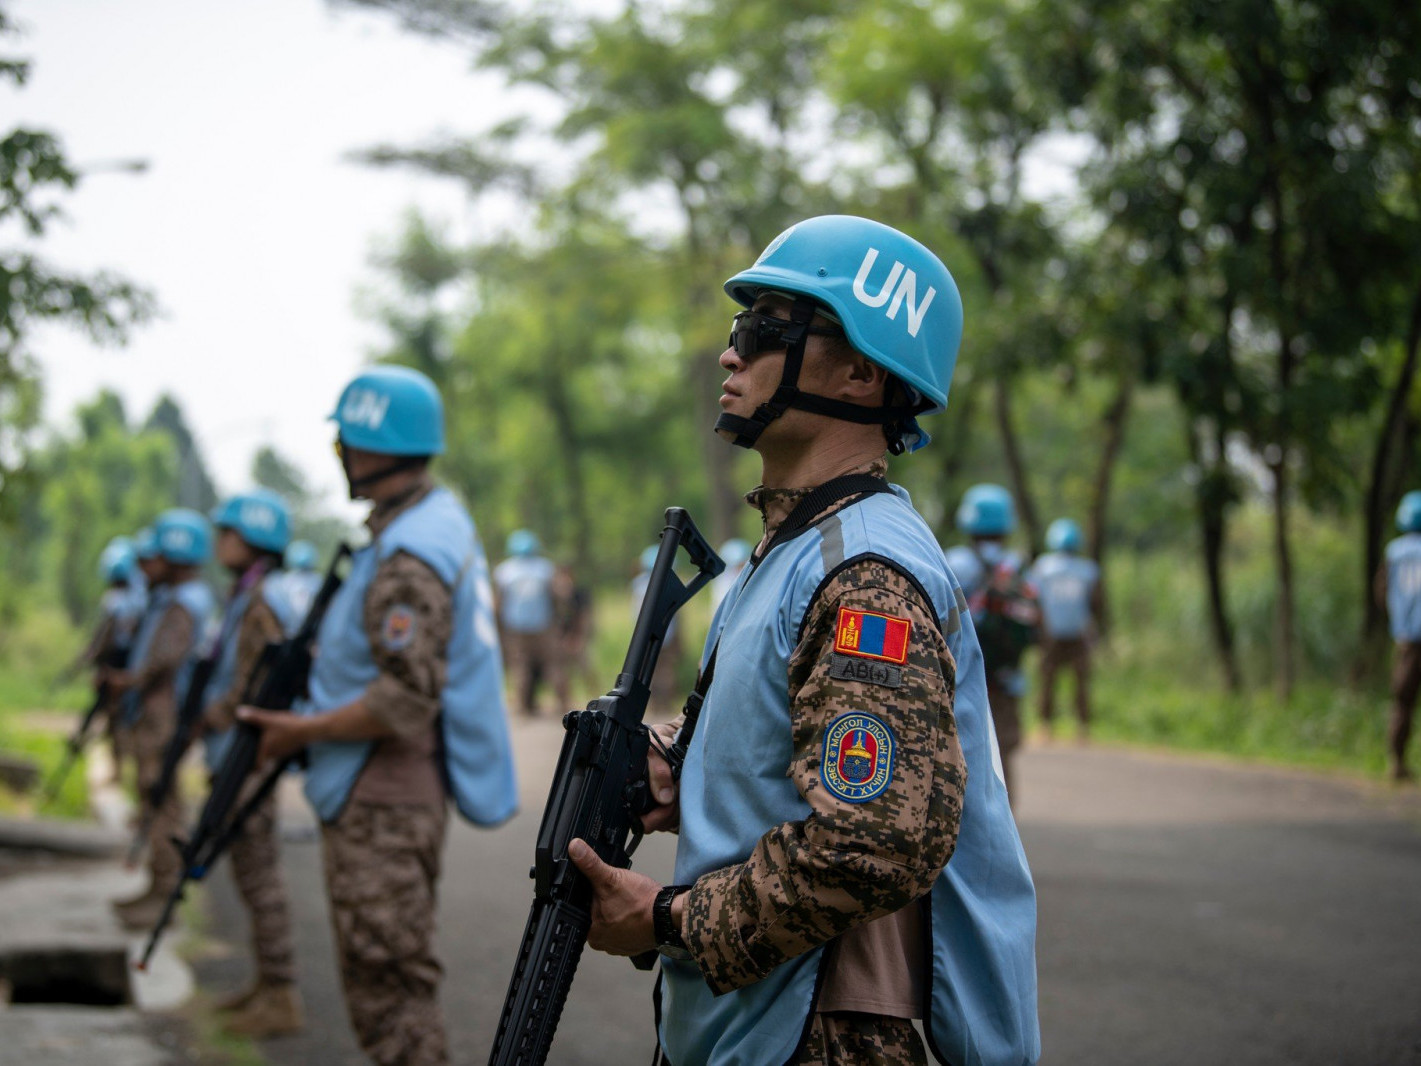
(248,225)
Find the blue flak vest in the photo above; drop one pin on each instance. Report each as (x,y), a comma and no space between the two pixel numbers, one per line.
(224,673)
(476,748)
(1403,587)
(194,597)
(981,912)
(1064,582)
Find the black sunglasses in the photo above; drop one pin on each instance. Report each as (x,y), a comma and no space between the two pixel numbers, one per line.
(752,333)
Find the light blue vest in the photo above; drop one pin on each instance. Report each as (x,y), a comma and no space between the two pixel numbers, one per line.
(224,674)
(477,749)
(1403,587)
(196,599)
(982,909)
(1064,582)
(525,593)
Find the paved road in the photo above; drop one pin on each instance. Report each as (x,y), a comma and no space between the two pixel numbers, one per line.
(1192,912)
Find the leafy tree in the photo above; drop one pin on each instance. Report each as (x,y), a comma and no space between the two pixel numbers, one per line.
(33,174)
(194,487)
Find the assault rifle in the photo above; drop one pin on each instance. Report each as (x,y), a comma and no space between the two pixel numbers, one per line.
(188,716)
(276,682)
(599,791)
(114,659)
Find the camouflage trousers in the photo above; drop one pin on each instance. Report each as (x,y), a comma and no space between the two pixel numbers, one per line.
(533,658)
(1405,684)
(149,736)
(1057,655)
(256,867)
(382,865)
(848,1038)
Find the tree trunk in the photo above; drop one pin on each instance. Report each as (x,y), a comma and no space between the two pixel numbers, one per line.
(1388,470)
(1016,467)
(1284,639)
(1212,495)
(1116,417)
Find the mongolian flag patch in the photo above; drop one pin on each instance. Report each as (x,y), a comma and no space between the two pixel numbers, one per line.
(873,636)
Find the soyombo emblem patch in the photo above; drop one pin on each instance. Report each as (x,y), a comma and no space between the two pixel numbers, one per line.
(858,757)
(397,628)
(873,636)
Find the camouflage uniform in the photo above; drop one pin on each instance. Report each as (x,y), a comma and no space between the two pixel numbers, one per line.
(382,854)
(256,856)
(155,683)
(850,871)
(1065,653)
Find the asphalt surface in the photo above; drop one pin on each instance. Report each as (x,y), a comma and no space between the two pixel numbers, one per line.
(1191,912)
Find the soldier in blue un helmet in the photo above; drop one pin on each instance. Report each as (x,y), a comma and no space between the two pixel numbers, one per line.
(253,529)
(844,751)
(164,651)
(405,714)
(525,599)
(1398,589)
(1068,587)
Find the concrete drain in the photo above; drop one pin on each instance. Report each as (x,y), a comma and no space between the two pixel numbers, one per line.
(91,977)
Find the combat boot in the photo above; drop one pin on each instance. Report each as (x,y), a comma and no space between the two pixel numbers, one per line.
(273,1010)
(237,1000)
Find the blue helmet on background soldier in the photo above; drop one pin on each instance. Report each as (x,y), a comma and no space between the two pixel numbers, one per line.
(1408,513)
(301,555)
(261,518)
(1063,535)
(522,542)
(145,544)
(986,510)
(895,301)
(183,537)
(118,560)
(393,411)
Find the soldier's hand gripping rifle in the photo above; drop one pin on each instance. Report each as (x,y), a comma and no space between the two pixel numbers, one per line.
(277,681)
(188,716)
(599,791)
(115,659)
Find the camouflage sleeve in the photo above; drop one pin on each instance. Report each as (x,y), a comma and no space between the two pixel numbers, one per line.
(258,628)
(172,640)
(851,860)
(409,618)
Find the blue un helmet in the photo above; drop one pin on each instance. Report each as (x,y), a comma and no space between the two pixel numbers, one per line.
(1408,513)
(895,300)
(184,537)
(1063,535)
(522,542)
(261,518)
(145,543)
(117,560)
(986,511)
(301,555)
(391,410)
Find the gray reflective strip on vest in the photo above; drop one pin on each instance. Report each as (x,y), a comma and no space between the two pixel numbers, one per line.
(831,546)
(961,599)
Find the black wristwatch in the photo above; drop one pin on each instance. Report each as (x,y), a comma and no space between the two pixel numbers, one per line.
(668,934)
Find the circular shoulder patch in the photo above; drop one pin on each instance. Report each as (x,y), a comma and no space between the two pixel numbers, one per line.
(397,628)
(857,763)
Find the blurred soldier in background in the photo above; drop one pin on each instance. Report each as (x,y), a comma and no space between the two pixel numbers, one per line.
(523,594)
(406,700)
(120,612)
(735,553)
(1398,589)
(666,694)
(1003,605)
(572,623)
(164,651)
(301,577)
(252,531)
(1068,586)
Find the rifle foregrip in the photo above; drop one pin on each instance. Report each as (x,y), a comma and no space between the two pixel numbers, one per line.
(547,960)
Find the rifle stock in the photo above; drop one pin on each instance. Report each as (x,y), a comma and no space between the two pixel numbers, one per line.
(598,793)
(276,682)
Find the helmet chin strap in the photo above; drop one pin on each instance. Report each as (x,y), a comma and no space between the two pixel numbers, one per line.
(355,484)
(747,430)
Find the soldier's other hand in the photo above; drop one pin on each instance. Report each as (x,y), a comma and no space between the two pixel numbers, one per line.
(621,904)
(663,785)
(283,733)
